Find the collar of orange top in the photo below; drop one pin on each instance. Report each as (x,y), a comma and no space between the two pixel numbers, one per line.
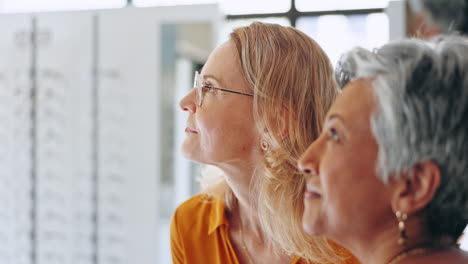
(217,216)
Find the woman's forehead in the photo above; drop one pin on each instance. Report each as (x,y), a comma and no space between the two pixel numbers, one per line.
(223,65)
(355,104)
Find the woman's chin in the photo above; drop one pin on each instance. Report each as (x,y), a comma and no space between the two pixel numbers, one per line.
(311,224)
(189,149)
(193,154)
(188,153)
(311,229)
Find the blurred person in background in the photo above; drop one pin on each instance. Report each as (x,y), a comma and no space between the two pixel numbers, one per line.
(428,18)
(388,176)
(258,102)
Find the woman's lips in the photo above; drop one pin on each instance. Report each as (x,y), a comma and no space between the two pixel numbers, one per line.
(190,130)
(311,192)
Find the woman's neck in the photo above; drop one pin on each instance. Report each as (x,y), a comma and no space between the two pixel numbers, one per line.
(240,179)
(382,245)
(248,219)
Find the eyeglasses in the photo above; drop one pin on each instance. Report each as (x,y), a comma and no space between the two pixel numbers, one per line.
(202,88)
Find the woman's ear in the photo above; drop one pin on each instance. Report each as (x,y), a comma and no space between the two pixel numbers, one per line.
(428,30)
(415,190)
(279,125)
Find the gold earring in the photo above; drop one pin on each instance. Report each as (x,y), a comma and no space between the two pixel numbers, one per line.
(402,217)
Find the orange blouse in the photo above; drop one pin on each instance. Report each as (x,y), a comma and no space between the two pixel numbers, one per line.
(199,233)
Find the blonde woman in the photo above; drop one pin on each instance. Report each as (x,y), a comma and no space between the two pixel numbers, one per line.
(258,102)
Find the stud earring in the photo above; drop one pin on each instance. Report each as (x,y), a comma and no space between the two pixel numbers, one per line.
(402,217)
(264,145)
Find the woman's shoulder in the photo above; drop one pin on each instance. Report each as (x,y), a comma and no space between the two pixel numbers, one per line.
(449,256)
(198,210)
(198,204)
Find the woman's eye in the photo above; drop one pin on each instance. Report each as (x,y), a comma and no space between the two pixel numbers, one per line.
(208,88)
(333,135)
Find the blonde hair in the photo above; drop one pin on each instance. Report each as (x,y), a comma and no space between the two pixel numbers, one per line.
(293,85)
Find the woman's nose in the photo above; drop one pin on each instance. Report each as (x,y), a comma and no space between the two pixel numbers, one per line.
(308,161)
(187,103)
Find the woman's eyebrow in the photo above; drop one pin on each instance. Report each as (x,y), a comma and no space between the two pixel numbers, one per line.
(209,76)
(337,118)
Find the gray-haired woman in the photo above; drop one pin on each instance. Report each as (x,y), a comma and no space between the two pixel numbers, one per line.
(388,176)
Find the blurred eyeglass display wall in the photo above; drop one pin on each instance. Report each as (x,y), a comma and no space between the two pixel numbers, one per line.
(87,159)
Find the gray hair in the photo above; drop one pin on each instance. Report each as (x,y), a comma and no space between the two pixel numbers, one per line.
(421,90)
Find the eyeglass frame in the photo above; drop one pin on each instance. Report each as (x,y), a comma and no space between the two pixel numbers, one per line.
(198,85)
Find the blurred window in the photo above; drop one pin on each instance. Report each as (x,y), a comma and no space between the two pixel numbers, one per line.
(337,34)
(233,7)
(19,6)
(316,5)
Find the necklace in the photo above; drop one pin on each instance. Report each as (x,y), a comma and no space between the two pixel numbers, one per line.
(244,246)
(412,252)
